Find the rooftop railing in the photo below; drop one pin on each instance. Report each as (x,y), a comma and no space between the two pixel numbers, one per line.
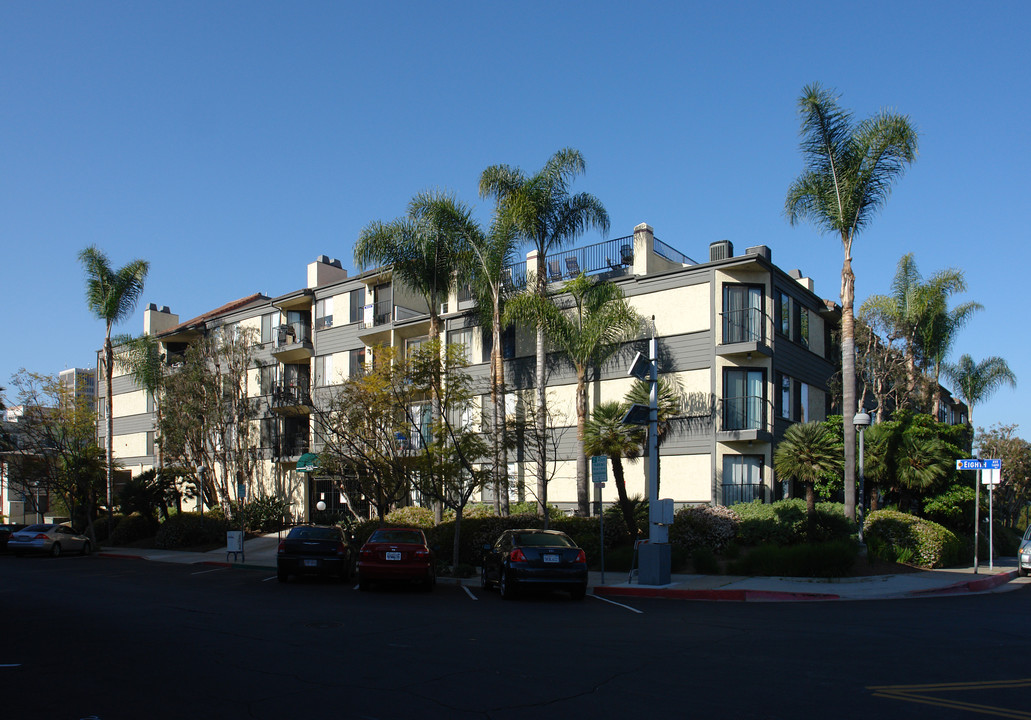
(671,254)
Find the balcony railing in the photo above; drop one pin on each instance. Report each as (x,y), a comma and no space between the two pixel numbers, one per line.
(747,412)
(745,325)
(378,313)
(665,251)
(292,334)
(291,393)
(566,265)
(738,493)
(293,445)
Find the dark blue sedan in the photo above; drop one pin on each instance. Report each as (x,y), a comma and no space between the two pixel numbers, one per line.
(545,559)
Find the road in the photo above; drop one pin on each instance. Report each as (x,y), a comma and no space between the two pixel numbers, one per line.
(129,639)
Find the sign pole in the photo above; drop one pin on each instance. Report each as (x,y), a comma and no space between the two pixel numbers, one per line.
(991,530)
(977,515)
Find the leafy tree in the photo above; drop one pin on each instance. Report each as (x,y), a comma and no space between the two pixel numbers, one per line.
(111,295)
(806,452)
(850,170)
(1014,492)
(880,365)
(589,330)
(606,434)
(547,216)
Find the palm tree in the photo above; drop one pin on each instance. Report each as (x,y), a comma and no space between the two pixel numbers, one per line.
(939,334)
(599,323)
(670,402)
(427,250)
(547,216)
(806,452)
(111,295)
(976,382)
(850,170)
(606,434)
(494,253)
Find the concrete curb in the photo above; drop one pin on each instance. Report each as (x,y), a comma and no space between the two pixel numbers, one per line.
(713,595)
(983,584)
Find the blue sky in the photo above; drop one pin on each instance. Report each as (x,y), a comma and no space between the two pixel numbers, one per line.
(230,143)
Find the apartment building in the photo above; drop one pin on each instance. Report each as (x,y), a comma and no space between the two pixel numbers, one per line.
(748,343)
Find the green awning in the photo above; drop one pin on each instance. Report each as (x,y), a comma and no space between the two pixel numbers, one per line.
(308,462)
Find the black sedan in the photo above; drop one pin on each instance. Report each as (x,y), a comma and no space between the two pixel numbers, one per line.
(322,550)
(545,559)
(5,534)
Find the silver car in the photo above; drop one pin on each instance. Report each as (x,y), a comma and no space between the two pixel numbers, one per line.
(53,540)
(1024,554)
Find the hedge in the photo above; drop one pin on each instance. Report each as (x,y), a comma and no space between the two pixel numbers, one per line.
(187,530)
(704,527)
(132,528)
(896,536)
(785,523)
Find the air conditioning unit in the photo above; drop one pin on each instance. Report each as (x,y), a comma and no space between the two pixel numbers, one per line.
(721,250)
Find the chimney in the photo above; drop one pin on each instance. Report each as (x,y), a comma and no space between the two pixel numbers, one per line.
(325,271)
(157,321)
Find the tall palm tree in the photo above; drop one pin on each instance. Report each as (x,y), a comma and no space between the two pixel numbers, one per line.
(977,381)
(606,434)
(547,216)
(850,170)
(494,253)
(427,250)
(111,295)
(806,452)
(939,334)
(590,332)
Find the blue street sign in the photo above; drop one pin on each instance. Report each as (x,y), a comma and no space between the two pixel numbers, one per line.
(979,464)
(599,469)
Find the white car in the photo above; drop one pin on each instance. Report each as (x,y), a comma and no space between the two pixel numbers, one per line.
(53,540)
(1024,554)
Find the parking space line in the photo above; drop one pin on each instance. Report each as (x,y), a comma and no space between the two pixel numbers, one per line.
(357,587)
(203,572)
(11,665)
(613,602)
(469,593)
(270,577)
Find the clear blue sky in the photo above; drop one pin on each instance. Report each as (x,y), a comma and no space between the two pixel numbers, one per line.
(230,143)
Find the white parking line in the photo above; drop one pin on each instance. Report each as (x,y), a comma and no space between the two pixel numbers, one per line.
(357,587)
(613,602)
(469,593)
(270,577)
(203,572)
(11,665)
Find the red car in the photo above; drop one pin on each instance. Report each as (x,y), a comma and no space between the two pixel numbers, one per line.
(397,554)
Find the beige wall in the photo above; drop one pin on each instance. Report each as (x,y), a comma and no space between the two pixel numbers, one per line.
(134,445)
(132,403)
(677,311)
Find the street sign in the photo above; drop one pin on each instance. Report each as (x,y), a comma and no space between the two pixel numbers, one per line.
(991,477)
(599,469)
(979,464)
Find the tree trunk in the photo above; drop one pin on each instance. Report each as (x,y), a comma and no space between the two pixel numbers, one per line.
(542,402)
(109,445)
(583,498)
(810,510)
(848,379)
(458,535)
(435,392)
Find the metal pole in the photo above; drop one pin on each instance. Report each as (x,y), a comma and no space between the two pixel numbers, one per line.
(991,529)
(601,526)
(657,533)
(862,489)
(977,513)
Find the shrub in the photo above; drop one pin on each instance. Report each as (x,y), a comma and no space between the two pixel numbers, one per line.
(412,516)
(265,513)
(785,523)
(827,559)
(530,508)
(187,530)
(702,526)
(103,529)
(131,528)
(891,533)
(704,561)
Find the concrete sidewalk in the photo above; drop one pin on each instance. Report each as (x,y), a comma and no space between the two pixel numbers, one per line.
(260,553)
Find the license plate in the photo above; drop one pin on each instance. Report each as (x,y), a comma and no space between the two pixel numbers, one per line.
(550,558)
(311,563)
(393,556)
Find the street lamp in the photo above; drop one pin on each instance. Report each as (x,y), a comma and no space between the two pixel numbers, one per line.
(861,422)
(200,488)
(35,492)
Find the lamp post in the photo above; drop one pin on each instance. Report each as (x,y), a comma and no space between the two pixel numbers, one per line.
(861,422)
(200,488)
(35,492)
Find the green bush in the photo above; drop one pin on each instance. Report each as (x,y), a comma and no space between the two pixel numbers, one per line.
(187,530)
(890,534)
(785,523)
(411,516)
(131,528)
(103,529)
(265,514)
(702,526)
(826,559)
(704,561)
(530,508)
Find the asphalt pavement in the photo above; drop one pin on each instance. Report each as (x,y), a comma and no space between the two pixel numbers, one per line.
(260,553)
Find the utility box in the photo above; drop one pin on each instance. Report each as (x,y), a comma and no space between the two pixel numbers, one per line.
(666,511)
(234,544)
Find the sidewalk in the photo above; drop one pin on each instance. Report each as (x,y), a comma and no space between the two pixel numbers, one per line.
(260,553)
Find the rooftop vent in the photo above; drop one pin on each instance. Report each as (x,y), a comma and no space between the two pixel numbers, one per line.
(165,309)
(721,250)
(760,250)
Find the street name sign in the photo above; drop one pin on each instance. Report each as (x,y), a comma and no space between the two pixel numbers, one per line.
(979,464)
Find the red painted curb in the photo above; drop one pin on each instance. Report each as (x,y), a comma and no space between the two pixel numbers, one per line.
(716,595)
(988,583)
(119,556)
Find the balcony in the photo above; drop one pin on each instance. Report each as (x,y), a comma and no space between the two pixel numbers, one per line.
(731,493)
(291,398)
(615,257)
(743,418)
(743,333)
(292,343)
(291,447)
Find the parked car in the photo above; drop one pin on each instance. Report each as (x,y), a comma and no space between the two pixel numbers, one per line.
(1024,554)
(322,550)
(5,533)
(534,558)
(397,554)
(50,539)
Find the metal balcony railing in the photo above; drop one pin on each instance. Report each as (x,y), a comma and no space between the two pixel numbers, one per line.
(739,492)
(747,412)
(744,325)
(291,393)
(292,333)
(293,445)
(673,255)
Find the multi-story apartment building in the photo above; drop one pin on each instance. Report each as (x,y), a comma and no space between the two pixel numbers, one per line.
(748,343)
(80,384)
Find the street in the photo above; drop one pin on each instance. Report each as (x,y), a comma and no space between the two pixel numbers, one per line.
(126,639)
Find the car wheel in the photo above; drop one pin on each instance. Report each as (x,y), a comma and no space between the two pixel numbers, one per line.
(506,586)
(87,548)
(282,575)
(484,582)
(55,550)
(1022,572)
(579,593)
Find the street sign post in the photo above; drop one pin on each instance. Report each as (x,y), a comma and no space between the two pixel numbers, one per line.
(993,467)
(974,464)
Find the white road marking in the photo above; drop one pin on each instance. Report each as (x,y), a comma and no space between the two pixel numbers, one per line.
(469,593)
(204,572)
(613,602)
(270,577)
(357,587)
(11,665)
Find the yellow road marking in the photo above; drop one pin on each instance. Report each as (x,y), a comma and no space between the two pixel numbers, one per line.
(920,694)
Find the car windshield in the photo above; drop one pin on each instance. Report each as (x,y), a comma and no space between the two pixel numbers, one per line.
(539,539)
(1027,535)
(38,528)
(314,533)
(397,536)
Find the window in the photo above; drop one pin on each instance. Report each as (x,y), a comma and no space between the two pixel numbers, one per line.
(356,303)
(742,313)
(784,314)
(150,442)
(356,362)
(743,400)
(324,313)
(801,325)
(784,397)
(801,402)
(742,478)
(323,370)
(464,338)
(412,345)
(268,324)
(266,379)
(421,415)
